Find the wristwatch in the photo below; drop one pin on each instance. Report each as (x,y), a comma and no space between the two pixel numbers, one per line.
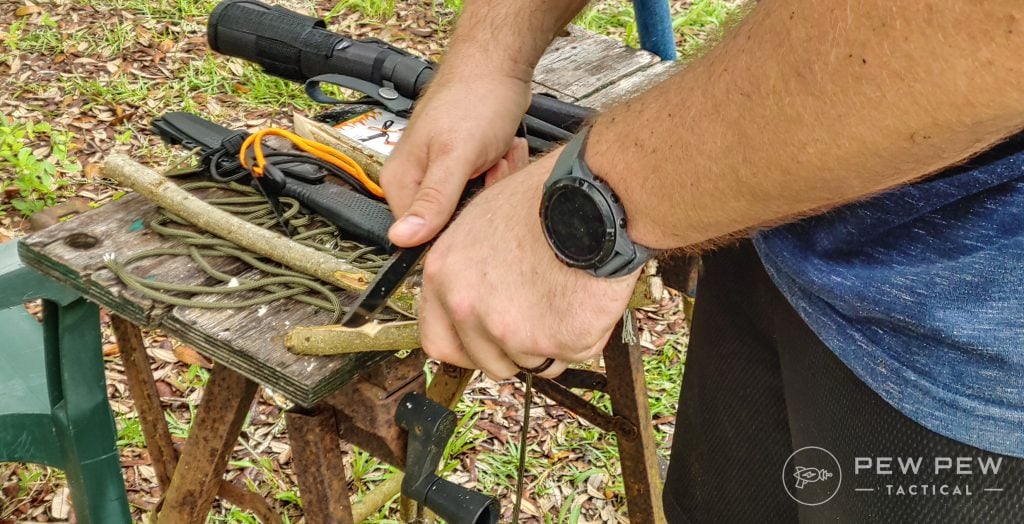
(583,219)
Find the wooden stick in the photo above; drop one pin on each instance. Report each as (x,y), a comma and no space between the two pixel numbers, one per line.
(397,336)
(166,194)
(377,497)
(370,160)
(338,339)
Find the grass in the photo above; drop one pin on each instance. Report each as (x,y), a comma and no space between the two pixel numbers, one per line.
(699,24)
(194,85)
(33,481)
(379,10)
(610,18)
(694,25)
(45,40)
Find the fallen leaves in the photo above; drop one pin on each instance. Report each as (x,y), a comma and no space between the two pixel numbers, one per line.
(60,506)
(111,350)
(187,355)
(27,9)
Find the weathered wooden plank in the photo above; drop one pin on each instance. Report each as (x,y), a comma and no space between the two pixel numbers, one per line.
(250,341)
(73,252)
(256,350)
(541,89)
(632,85)
(583,63)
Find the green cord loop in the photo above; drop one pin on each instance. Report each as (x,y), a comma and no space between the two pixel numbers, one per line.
(277,282)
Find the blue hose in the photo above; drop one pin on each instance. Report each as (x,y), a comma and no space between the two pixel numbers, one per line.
(654,24)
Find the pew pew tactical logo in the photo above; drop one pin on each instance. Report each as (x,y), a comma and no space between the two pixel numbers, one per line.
(813,475)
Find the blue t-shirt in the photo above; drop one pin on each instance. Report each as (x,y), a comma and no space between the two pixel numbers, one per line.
(920,291)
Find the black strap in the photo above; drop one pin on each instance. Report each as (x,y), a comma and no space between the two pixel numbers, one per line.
(385,95)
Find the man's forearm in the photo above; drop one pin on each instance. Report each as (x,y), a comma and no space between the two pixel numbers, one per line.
(809,105)
(504,38)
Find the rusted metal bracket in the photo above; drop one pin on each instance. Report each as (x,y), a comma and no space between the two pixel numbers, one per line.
(215,429)
(580,406)
(583,379)
(627,387)
(319,465)
(365,408)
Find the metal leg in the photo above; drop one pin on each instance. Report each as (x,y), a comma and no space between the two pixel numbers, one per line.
(162,452)
(198,476)
(147,400)
(637,449)
(320,466)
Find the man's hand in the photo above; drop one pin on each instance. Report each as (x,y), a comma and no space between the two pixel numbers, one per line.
(460,130)
(495,297)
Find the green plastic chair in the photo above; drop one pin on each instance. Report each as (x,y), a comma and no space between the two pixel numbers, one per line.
(53,394)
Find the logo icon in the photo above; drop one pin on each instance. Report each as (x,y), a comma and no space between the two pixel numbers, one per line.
(804,475)
(812,476)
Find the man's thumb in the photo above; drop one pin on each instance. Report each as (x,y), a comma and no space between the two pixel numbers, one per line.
(431,209)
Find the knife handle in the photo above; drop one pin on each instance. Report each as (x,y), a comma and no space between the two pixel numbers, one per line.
(363,218)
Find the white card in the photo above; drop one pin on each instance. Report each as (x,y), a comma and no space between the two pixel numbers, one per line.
(378,130)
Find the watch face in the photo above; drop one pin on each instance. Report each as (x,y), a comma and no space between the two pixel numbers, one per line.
(576,225)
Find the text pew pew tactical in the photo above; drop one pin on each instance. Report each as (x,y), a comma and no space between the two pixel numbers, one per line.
(352,394)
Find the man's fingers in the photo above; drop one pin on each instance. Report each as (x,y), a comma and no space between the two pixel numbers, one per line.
(518,155)
(596,350)
(434,202)
(492,359)
(438,337)
(400,177)
(497,172)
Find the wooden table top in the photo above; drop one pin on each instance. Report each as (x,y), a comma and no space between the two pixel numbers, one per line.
(580,67)
(248,340)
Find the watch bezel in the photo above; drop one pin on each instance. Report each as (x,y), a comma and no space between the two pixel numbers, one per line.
(608,225)
(619,255)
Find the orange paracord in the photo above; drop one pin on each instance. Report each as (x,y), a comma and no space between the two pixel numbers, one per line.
(321,151)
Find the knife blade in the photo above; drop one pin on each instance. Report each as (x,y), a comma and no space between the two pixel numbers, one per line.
(399,265)
(375,296)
